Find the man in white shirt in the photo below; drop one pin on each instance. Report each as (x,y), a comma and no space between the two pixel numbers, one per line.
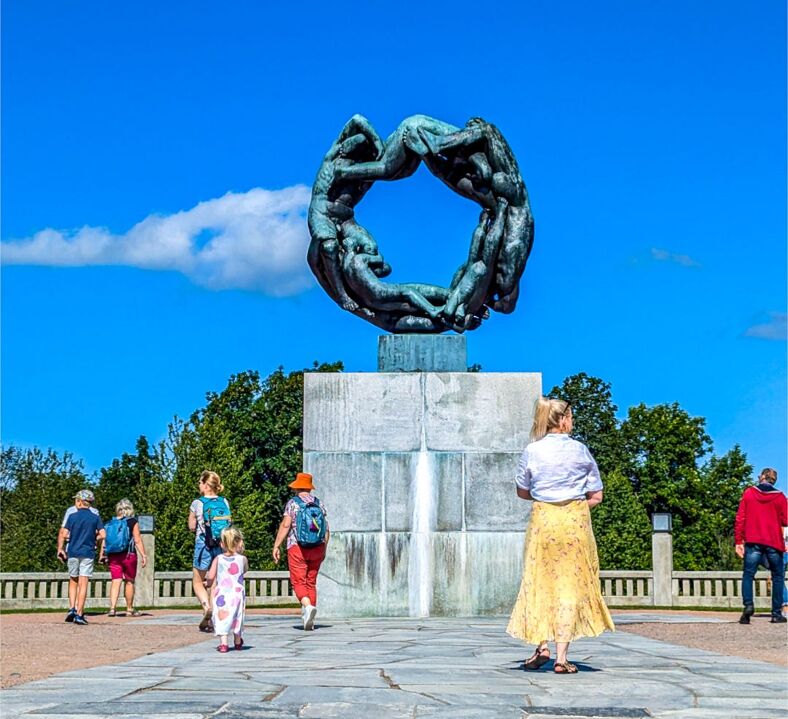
(87,496)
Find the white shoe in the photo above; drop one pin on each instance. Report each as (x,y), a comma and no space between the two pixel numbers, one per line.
(309,613)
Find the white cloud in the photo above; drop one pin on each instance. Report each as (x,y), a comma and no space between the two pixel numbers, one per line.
(775,329)
(665,256)
(255,240)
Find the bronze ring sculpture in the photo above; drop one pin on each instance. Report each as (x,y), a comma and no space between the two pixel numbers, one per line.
(474,161)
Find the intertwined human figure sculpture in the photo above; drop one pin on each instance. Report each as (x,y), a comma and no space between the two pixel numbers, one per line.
(474,161)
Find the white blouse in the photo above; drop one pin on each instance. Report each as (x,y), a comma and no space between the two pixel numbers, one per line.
(558,468)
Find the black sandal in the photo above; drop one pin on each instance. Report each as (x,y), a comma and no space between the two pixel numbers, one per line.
(536,660)
(565,668)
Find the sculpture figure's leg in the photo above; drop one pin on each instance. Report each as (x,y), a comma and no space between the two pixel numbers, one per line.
(418,300)
(329,251)
(397,162)
(469,294)
(514,253)
(441,143)
(360,124)
(483,169)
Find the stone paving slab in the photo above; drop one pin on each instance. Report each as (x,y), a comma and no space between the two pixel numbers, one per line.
(407,668)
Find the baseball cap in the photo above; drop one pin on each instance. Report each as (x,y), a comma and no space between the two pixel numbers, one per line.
(85,495)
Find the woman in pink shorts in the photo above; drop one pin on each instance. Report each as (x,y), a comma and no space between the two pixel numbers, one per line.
(123,564)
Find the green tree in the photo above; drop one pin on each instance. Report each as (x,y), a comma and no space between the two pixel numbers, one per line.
(36,488)
(723,481)
(129,477)
(669,457)
(662,446)
(250,433)
(621,526)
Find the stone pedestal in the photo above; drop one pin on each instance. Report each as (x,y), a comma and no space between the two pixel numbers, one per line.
(662,567)
(416,470)
(422,353)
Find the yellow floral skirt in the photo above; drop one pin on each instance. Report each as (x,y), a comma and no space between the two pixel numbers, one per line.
(560,598)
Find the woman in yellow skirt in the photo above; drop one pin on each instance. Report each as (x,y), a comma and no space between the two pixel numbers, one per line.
(560,599)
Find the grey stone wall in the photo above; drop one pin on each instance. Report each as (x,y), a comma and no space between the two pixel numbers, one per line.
(364,437)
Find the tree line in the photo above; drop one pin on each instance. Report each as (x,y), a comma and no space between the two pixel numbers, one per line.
(657,459)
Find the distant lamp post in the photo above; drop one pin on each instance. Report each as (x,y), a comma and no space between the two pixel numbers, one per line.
(146,523)
(662,522)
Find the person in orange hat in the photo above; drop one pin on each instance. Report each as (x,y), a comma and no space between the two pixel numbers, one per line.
(305,526)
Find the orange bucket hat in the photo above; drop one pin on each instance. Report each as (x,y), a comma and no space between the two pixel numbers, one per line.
(302,481)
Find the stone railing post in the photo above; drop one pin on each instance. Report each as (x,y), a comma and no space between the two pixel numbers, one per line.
(662,559)
(145,595)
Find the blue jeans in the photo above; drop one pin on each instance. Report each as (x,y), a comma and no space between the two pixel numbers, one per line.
(753,555)
(785,589)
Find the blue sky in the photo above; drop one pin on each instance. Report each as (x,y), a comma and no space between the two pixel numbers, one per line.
(651,137)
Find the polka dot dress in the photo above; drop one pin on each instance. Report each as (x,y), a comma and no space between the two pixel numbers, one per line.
(229,595)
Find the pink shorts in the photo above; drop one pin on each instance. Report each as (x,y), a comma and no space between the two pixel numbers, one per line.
(123,565)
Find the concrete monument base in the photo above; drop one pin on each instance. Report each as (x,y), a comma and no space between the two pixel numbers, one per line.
(416,470)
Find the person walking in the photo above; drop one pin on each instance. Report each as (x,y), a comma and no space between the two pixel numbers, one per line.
(305,526)
(209,515)
(82,529)
(121,548)
(560,599)
(226,575)
(758,533)
(84,495)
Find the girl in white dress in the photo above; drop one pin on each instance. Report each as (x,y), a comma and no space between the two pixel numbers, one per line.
(229,594)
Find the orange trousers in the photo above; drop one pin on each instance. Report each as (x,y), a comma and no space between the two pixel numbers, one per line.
(304,564)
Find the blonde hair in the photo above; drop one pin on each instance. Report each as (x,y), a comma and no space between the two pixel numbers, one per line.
(124,508)
(212,480)
(233,540)
(548,414)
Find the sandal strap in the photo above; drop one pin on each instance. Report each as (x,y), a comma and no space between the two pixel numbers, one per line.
(566,668)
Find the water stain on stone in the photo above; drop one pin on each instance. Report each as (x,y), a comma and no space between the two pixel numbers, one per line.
(360,560)
(395,545)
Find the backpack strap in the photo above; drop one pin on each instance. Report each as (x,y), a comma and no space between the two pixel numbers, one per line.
(300,502)
(204,520)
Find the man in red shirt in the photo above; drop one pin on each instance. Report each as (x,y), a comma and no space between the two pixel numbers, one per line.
(762,514)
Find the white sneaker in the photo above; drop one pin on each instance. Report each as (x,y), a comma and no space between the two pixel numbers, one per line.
(309,617)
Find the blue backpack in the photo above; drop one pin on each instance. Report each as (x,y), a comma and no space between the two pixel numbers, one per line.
(118,536)
(216,516)
(310,529)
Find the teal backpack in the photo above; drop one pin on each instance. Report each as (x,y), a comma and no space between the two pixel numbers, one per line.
(118,536)
(217,517)
(310,529)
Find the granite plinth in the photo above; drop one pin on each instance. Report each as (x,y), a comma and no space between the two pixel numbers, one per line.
(416,471)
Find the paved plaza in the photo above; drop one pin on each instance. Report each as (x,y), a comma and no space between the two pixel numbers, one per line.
(406,669)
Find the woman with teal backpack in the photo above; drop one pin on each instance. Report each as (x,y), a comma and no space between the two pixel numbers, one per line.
(208,516)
